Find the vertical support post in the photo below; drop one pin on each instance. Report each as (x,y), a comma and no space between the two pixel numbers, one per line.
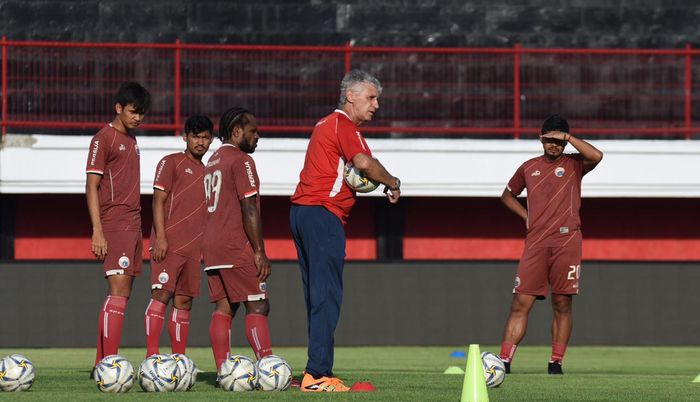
(178,54)
(688,92)
(516,91)
(4,87)
(348,56)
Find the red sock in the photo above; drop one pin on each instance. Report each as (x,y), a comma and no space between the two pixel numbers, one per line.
(507,351)
(179,329)
(558,350)
(220,336)
(258,334)
(154,318)
(109,327)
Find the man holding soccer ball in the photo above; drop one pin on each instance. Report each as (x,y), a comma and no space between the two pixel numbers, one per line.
(321,204)
(552,255)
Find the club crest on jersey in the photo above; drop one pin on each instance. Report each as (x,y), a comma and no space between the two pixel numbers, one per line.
(188,170)
(163,277)
(263,286)
(535,173)
(122,147)
(124,262)
(559,172)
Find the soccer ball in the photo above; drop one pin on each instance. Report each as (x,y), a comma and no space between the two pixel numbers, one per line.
(274,374)
(188,372)
(238,373)
(16,373)
(159,373)
(494,369)
(357,181)
(114,374)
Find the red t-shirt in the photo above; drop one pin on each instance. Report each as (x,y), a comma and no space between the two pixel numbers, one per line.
(334,141)
(553,199)
(230,176)
(114,155)
(181,178)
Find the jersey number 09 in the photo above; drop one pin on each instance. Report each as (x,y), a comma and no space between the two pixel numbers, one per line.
(212,188)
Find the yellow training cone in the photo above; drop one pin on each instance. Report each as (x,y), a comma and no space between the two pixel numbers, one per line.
(474,388)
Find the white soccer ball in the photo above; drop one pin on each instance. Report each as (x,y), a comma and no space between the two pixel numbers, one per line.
(238,373)
(114,374)
(188,372)
(356,180)
(274,374)
(159,373)
(494,369)
(16,373)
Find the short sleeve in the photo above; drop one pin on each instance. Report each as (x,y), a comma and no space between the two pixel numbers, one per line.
(516,185)
(246,177)
(97,156)
(164,175)
(352,143)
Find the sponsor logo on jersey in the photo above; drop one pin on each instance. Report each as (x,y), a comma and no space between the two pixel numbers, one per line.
(160,169)
(517,282)
(188,170)
(263,286)
(124,262)
(564,230)
(559,172)
(213,163)
(122,147)
(359,138)
(249,170)
(136,148)
(163,277)
(95,148)
(535,173)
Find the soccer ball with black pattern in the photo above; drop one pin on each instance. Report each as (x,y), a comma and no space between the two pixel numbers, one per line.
(274,374)
(188,372)
(16,373)
(114,374)
(159,373)
(238,373)
(357,181)
(494,369)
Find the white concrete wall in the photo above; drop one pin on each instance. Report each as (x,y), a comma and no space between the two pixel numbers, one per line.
(427,167)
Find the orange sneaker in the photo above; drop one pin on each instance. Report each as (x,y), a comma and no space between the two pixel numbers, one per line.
(323,384)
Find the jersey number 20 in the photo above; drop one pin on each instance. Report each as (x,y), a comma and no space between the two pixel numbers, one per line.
(212,188)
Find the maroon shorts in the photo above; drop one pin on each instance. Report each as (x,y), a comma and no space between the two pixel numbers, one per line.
(124,253)
(238,284)
(177,274)
(543,267)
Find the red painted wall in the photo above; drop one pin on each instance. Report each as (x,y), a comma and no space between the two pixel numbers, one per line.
(58,227)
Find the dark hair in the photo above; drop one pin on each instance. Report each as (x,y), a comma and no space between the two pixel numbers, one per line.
(133,93)
(235,116)
(198,123)
(555,123)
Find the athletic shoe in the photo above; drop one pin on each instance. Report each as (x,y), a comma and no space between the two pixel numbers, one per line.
(323,384)
(507,365)
(554,368)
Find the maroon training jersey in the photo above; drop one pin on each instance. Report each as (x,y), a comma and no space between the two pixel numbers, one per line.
(230,176)
(334,141)
(114,155)
(181,178)
(553,199)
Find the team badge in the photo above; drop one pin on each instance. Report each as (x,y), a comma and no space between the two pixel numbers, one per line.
(263,286)
(124,262)
(559,172)
(163,277)
(122,147)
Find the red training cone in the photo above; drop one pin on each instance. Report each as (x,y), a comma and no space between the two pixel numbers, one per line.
(362,386)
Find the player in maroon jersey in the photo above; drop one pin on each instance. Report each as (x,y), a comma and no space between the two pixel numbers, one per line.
(233,248)
(552,254)
(113,200)
(176,239)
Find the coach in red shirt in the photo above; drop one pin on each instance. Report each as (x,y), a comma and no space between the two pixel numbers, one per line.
(552,255)
(321,205)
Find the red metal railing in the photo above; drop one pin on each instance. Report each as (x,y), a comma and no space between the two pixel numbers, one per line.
(490,92)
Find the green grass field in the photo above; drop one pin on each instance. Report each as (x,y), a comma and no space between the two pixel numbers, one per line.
(411,374)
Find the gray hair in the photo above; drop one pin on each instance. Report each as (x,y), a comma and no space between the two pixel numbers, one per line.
(352,79)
